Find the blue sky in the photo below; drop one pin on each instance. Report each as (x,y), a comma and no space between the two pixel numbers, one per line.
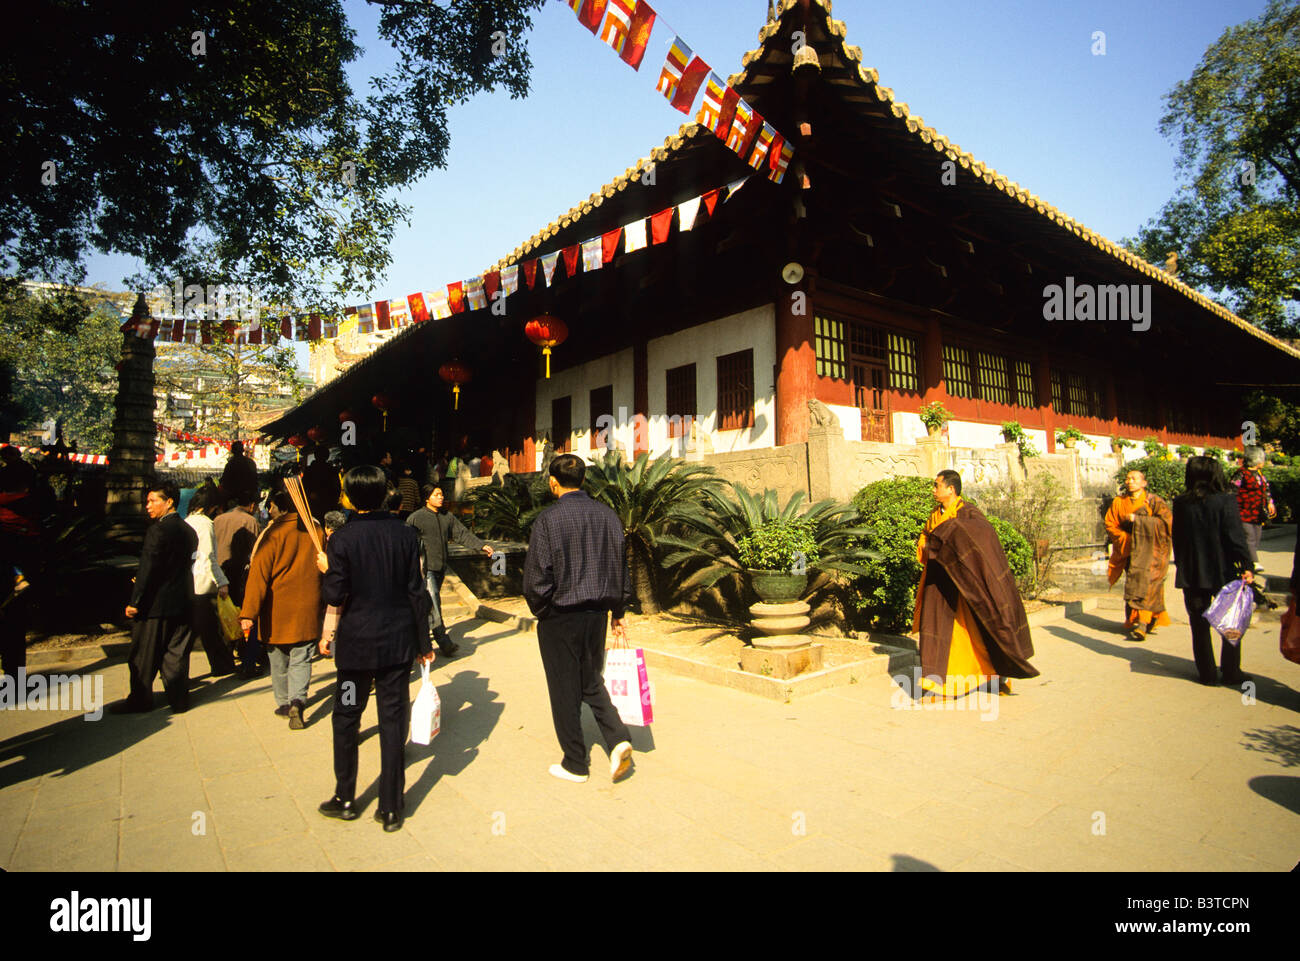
(1013,83)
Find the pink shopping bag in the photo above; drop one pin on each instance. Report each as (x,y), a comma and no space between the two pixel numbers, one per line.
(628,684)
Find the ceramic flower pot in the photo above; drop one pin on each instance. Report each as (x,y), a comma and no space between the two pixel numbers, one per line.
(778,587)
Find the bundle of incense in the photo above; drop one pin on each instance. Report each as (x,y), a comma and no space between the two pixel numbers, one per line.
(294,486)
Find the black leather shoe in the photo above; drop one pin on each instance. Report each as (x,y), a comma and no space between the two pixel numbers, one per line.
(391,821)
(342,810)
(282,711)
(451,650)
(295,716)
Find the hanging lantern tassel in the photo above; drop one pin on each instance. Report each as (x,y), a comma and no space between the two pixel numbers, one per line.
(546,332)
(455,373)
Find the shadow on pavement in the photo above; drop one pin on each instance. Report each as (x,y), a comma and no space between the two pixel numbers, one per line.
(905,862)
(1145,660)
(470,710)
(1282,742)
(1278,788)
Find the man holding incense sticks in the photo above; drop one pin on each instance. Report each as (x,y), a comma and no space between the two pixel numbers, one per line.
(283,594)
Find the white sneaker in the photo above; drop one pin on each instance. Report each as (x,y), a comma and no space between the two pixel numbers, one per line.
(558,771)
(620,761)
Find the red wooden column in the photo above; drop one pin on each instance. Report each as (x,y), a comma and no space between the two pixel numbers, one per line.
(796,363)
(932,388)
(1044,383)
(640,394)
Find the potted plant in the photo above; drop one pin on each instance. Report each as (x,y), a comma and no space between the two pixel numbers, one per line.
(776,555)
(1154,448)
(1214,452)
(934,416)
(1118,444)
(1013,433)
(1071,436)
(1186,450)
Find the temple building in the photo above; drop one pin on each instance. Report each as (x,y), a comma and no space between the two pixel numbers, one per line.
(886,271)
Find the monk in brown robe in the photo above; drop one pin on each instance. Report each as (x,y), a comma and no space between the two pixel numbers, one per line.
(1139,524)
(972,623)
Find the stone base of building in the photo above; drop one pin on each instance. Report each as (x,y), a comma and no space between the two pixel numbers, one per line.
(781,656)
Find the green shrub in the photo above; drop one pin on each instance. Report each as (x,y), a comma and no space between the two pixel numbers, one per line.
(1214,452)
(777,545)
(1164,477)
(1185,450)
(1034,509)
(896,510)
(1284,488)
(1020,556)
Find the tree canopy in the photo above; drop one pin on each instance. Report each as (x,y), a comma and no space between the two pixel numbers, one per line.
(57,354)
(1235,221)
(223,143)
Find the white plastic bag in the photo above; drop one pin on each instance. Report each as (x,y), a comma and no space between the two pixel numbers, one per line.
(426,713)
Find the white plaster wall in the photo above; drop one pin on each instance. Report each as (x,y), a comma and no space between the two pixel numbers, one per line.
(1100,446)
(850,420)
(578,382)
(964,433)
(702,345)
(908,428)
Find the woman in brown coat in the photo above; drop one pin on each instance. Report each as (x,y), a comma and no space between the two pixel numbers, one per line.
(283,593)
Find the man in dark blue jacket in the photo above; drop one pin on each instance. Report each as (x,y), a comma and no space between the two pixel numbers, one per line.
(574,575)
(160,606)
(373,575)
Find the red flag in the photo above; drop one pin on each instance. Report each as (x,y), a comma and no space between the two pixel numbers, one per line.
(710,201)
(286,328)
(492,283)
(313,327)
(530,272)
(689,85)
(660,224)
(609,244)
(381,316)
(419,312)
(571,259)
(638,35)
(456,297)
(592,12)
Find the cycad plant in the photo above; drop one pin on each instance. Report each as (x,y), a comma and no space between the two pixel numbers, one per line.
(652,499)
(507,511)
(713,545)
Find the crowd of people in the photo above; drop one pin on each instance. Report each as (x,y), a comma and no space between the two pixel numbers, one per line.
(370,599)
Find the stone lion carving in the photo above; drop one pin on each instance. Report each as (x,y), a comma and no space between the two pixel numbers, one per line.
(820,415)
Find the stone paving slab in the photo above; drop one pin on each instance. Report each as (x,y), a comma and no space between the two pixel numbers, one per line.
(1115,734)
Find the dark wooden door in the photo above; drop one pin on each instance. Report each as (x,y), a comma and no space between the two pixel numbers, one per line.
(869,360)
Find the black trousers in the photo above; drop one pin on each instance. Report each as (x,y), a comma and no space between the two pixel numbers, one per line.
(393,705)
(161,645)
(573,656)
(13,634)
(1197,602)
(207,627)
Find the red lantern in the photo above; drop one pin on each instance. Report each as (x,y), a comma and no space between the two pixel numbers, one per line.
(455,373)
(345,416)
(382,402)
(546,332)
(317,434)
(298,442)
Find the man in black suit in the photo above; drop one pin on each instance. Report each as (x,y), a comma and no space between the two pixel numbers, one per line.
(160,606)
(373,575)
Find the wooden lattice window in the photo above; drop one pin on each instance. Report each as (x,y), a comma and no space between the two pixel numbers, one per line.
(868,343)
(681,398)
(736,390)
(562,424)
(1024,385)
(994,379)
(1058,393)
(957,374)
(828,343)
(904,363)
(602,405)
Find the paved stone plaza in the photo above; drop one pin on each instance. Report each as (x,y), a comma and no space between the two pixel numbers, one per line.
(1114,759)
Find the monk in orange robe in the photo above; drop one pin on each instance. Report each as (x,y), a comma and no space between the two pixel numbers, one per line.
(1139,524)
(968,612)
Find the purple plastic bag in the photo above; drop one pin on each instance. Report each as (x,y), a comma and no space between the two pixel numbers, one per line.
(1229,613)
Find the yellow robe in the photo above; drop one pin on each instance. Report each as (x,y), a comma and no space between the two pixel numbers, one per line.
(968,659)
(1121,509)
